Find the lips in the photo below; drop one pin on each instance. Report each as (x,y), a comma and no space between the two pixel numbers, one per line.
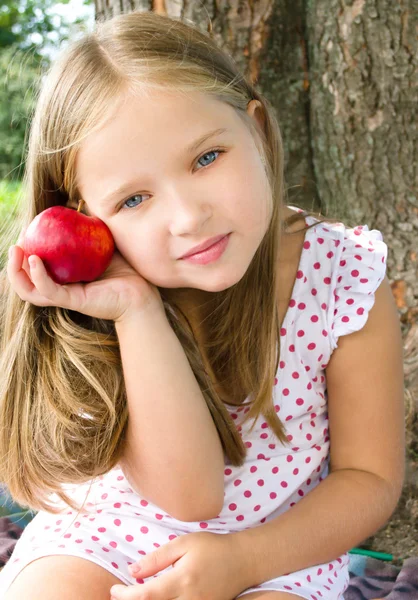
(204,246)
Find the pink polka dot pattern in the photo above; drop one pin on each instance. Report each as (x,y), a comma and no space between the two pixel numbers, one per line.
(338,273)
(361,258)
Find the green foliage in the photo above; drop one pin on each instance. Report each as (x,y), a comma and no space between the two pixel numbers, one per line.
(9,197)
(28,29)
(19,82)
(20,20)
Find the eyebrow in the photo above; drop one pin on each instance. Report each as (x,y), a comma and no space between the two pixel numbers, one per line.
(124,188)
(203,139)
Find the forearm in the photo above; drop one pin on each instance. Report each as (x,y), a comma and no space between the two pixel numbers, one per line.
(344,509)
(173,455)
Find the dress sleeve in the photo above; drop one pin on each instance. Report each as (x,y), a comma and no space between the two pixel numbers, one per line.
(360,270)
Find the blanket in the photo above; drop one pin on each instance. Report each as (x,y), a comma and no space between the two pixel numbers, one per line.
(370,578)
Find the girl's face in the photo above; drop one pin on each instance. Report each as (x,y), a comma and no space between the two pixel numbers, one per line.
(175,197)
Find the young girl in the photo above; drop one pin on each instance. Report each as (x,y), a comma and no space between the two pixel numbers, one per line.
(178,411)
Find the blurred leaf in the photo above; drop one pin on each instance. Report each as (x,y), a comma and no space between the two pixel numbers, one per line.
(20,20)
(9,192)
(20,77)
(29,31)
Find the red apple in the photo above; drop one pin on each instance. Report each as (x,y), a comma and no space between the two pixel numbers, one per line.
(73,246)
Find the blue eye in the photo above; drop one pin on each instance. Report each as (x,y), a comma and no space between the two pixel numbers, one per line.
(214,151)
(131,198)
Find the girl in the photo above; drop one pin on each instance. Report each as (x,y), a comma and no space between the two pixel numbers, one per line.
(179,410)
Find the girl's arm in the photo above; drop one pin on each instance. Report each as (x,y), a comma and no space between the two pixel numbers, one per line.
(367,445)
(173,455)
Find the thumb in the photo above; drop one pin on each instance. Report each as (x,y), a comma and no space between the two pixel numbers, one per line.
(156,561)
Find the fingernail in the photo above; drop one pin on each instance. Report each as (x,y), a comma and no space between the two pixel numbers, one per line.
(32,261)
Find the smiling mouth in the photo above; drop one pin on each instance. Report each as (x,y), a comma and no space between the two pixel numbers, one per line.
(210,254)
(205,246)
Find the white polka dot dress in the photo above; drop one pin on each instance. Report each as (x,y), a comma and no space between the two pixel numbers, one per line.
(340,269)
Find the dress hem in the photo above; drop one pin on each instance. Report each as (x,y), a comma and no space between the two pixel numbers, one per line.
(270,589)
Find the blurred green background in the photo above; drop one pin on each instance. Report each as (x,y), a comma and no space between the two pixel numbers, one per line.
(31,33)
(8,197)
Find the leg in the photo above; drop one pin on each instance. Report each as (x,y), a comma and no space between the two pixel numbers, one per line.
(270,595)
(63,577)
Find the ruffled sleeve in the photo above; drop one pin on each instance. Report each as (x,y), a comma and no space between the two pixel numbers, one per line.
(359,271)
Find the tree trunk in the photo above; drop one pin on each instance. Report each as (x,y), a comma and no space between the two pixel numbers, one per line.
(363,58)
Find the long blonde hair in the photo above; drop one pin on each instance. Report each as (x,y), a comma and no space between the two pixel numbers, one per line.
(63,408)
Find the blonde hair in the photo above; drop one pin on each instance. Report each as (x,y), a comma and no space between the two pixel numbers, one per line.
(63,408)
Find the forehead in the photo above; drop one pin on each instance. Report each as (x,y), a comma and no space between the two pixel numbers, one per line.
(146,133)
(160,115)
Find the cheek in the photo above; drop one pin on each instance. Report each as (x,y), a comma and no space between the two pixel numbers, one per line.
(146,251)
(133,244)
(248,189)
(252,202)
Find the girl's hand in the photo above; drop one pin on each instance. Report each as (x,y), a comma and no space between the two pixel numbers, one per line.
(119,291)
(208,566)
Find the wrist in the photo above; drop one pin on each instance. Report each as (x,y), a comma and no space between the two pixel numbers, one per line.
(249,557)
(151,310)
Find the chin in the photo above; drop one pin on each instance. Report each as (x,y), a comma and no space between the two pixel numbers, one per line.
(211,282)
(219,284)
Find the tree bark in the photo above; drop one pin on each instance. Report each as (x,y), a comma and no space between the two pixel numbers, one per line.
(363,57)
(106,9)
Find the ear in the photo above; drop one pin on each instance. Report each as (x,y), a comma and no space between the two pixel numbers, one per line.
(256,111)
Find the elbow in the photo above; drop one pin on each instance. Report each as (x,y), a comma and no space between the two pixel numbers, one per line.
(394,486)
(198,512)
(390,494)
(396,496)
(184,506)
(203,504)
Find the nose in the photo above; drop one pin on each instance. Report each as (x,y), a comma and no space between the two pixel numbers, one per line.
(188,213)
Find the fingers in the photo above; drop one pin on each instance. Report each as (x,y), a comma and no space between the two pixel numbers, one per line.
(25,264)
(19,277)
(41,280)
(137,592)
(19,243)
(31,282)
(167,586)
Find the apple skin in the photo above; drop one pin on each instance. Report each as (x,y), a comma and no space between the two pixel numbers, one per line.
(73,246)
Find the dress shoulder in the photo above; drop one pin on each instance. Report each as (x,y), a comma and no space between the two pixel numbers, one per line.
(359,268)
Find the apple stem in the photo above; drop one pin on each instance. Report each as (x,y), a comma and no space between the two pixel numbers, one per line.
(80,204)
